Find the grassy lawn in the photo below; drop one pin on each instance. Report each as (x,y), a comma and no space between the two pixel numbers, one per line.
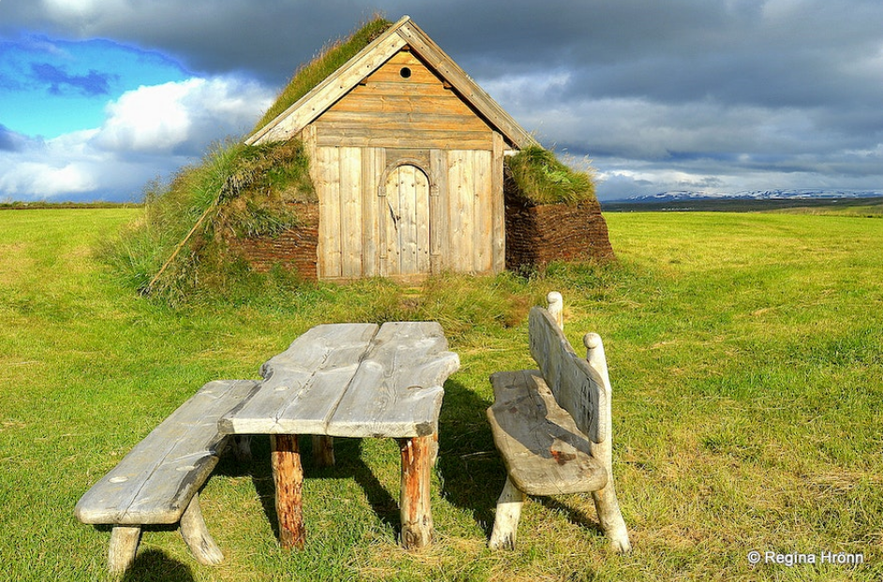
(745,352)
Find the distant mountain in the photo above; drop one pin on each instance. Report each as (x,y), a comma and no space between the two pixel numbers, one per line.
(685,196)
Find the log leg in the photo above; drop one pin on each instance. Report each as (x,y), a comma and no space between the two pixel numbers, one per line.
(506,521)
(288,475)
(418,455)
(323,450)
(196,535)
(123,547)
(611,517)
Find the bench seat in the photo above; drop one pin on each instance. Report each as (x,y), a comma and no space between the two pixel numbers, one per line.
(543,450)
(159,480)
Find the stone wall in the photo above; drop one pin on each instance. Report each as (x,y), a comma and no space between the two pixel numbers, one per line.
(537,235)
(294,249)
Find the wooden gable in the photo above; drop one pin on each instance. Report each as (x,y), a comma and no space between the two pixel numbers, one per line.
(403,104)
(429,61)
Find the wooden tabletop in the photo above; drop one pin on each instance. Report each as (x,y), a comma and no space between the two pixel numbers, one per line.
(352,380)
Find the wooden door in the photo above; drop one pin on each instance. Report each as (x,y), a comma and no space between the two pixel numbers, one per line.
(407,221)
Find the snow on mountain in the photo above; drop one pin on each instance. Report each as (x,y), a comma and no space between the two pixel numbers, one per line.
(681,195)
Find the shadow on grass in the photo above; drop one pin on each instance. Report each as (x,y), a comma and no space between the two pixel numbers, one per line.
(471,471)
(155,566)
(349,464)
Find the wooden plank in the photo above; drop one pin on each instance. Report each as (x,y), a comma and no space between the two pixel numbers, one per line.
(391,71)
(332,136)
(328,190)
(404,121)
(438,211)
(544,451)
(154,483)
(303,385)
(372,100)
(498,209)
(397,389)
(483,215)
(577,387)
(373,162)
(391,212)
(407,219)
(350,211)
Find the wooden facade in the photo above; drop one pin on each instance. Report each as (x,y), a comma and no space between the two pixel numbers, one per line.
(406,154)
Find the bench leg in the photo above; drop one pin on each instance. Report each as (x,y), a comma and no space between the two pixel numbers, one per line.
(418,456)
(506,521)
(323,450)
(196,535)
(123,547)
(611,517)
(288,475)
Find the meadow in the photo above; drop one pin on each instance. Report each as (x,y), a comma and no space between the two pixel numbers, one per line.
(745,353)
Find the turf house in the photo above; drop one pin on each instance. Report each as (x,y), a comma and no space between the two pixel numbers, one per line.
(383,158)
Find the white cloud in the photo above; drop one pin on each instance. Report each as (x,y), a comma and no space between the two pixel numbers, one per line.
(149,131)
(181,117)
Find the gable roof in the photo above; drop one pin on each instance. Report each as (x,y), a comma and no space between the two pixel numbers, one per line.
(401,34)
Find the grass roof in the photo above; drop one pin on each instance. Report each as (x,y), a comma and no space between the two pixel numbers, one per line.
(540,178)
(332,56)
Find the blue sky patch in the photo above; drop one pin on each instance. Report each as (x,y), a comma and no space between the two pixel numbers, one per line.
(51,87)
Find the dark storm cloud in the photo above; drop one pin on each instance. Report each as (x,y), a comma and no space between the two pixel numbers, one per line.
(712,91)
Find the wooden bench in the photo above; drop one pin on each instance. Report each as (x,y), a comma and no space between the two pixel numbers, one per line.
(159,480)
(552,428)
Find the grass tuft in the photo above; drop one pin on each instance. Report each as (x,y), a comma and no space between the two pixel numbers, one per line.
(540,178)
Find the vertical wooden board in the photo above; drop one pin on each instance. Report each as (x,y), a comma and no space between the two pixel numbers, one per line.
(328,189)
(350,211)
(407,179)
(439,233)
(483,213)
(372,168)
(466,204)
(498,207)
(421,212)
(390,210)
(455,211)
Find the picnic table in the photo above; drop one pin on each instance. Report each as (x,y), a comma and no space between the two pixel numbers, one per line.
(352,380)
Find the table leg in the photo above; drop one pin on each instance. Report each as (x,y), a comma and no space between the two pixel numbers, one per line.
(418,456)
(288,475)
(323,450)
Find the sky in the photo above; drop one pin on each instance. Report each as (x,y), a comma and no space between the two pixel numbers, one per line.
(99,97)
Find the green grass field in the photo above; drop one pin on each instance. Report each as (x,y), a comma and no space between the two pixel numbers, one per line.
(745,352)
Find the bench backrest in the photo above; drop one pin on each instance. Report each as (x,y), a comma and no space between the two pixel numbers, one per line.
(578,388)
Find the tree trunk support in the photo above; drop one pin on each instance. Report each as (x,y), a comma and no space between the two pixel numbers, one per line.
(288,475)
(418,456)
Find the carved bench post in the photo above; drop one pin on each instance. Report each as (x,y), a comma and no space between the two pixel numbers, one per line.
(606,504)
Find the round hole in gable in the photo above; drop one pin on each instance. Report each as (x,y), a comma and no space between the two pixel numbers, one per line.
(405,72)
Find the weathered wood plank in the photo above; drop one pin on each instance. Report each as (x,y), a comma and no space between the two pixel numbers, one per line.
(407,121)
(373,101)
(482,243)
(544,451)
(373,162)
(397,389)
(438,212)
(351,211)
(577,387)
(303,385)
(329,135)
(155,482)
(498,210)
